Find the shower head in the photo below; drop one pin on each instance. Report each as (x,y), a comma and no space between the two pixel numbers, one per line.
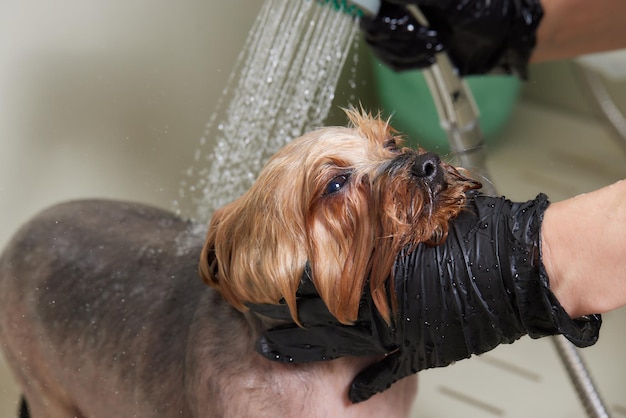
(355,7)
(370,8)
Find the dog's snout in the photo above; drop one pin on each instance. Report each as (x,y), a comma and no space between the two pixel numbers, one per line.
(427,166)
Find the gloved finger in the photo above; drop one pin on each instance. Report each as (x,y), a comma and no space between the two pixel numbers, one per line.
(320,343)
(399,40)
(311,312)
(377,378)
(307,287)
(292,353)
(298,345)
(306,290)
(311,308)
(272,311)
(444,4)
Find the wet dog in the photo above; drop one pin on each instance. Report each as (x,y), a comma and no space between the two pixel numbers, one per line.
(102,313)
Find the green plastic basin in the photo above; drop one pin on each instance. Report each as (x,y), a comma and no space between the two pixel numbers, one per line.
(406,96)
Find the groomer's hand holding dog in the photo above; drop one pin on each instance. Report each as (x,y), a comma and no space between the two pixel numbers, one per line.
(326,338)
(484,286)
(481,36)
(478,35)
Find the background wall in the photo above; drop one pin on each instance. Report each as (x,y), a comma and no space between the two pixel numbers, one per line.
(558,84)
(107,98)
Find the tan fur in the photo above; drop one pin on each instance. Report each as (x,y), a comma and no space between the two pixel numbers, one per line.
(257,246)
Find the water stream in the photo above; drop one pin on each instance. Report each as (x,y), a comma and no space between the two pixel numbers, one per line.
(283,85)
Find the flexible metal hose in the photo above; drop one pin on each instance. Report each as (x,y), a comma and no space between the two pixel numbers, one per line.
(580,377)
(597,90)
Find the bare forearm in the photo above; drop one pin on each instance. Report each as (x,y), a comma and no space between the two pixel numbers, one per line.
(575,27)
(584,250)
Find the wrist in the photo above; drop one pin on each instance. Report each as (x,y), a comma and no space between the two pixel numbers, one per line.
(551,251)
(540,310)
(583,250)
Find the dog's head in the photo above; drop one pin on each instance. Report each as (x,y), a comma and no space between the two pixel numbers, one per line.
(346,200)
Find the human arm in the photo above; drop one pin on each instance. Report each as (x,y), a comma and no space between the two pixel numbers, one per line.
(584,250)
(571,28)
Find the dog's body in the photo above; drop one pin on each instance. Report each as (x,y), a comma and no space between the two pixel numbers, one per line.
(102,314)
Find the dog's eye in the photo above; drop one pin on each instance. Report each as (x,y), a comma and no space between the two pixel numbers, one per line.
(336,184)
(390,144)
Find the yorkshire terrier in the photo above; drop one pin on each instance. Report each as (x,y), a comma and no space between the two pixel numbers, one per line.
(102,313)
(344,200)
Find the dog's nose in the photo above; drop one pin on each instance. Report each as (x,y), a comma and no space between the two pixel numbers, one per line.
(427,167)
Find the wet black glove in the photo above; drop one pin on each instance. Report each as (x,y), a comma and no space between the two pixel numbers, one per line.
(479,35)
(324,337)
(484,286)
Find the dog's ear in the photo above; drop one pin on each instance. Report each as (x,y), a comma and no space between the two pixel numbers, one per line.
(216,257)
(252,253)
(341,242)
(208,267)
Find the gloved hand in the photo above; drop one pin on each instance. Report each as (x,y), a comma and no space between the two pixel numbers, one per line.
(484,286)
(326,338)
(479,35)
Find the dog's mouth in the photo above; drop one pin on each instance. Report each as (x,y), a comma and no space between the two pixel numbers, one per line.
(426,169)
(420,179)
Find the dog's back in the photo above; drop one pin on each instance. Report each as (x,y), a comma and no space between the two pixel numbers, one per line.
(102,314)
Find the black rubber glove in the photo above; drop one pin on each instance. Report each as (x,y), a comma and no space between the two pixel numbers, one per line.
(478,35)
(484,286)
(325,338)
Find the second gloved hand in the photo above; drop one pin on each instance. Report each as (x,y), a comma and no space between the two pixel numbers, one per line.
(479,35)
(484,286)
